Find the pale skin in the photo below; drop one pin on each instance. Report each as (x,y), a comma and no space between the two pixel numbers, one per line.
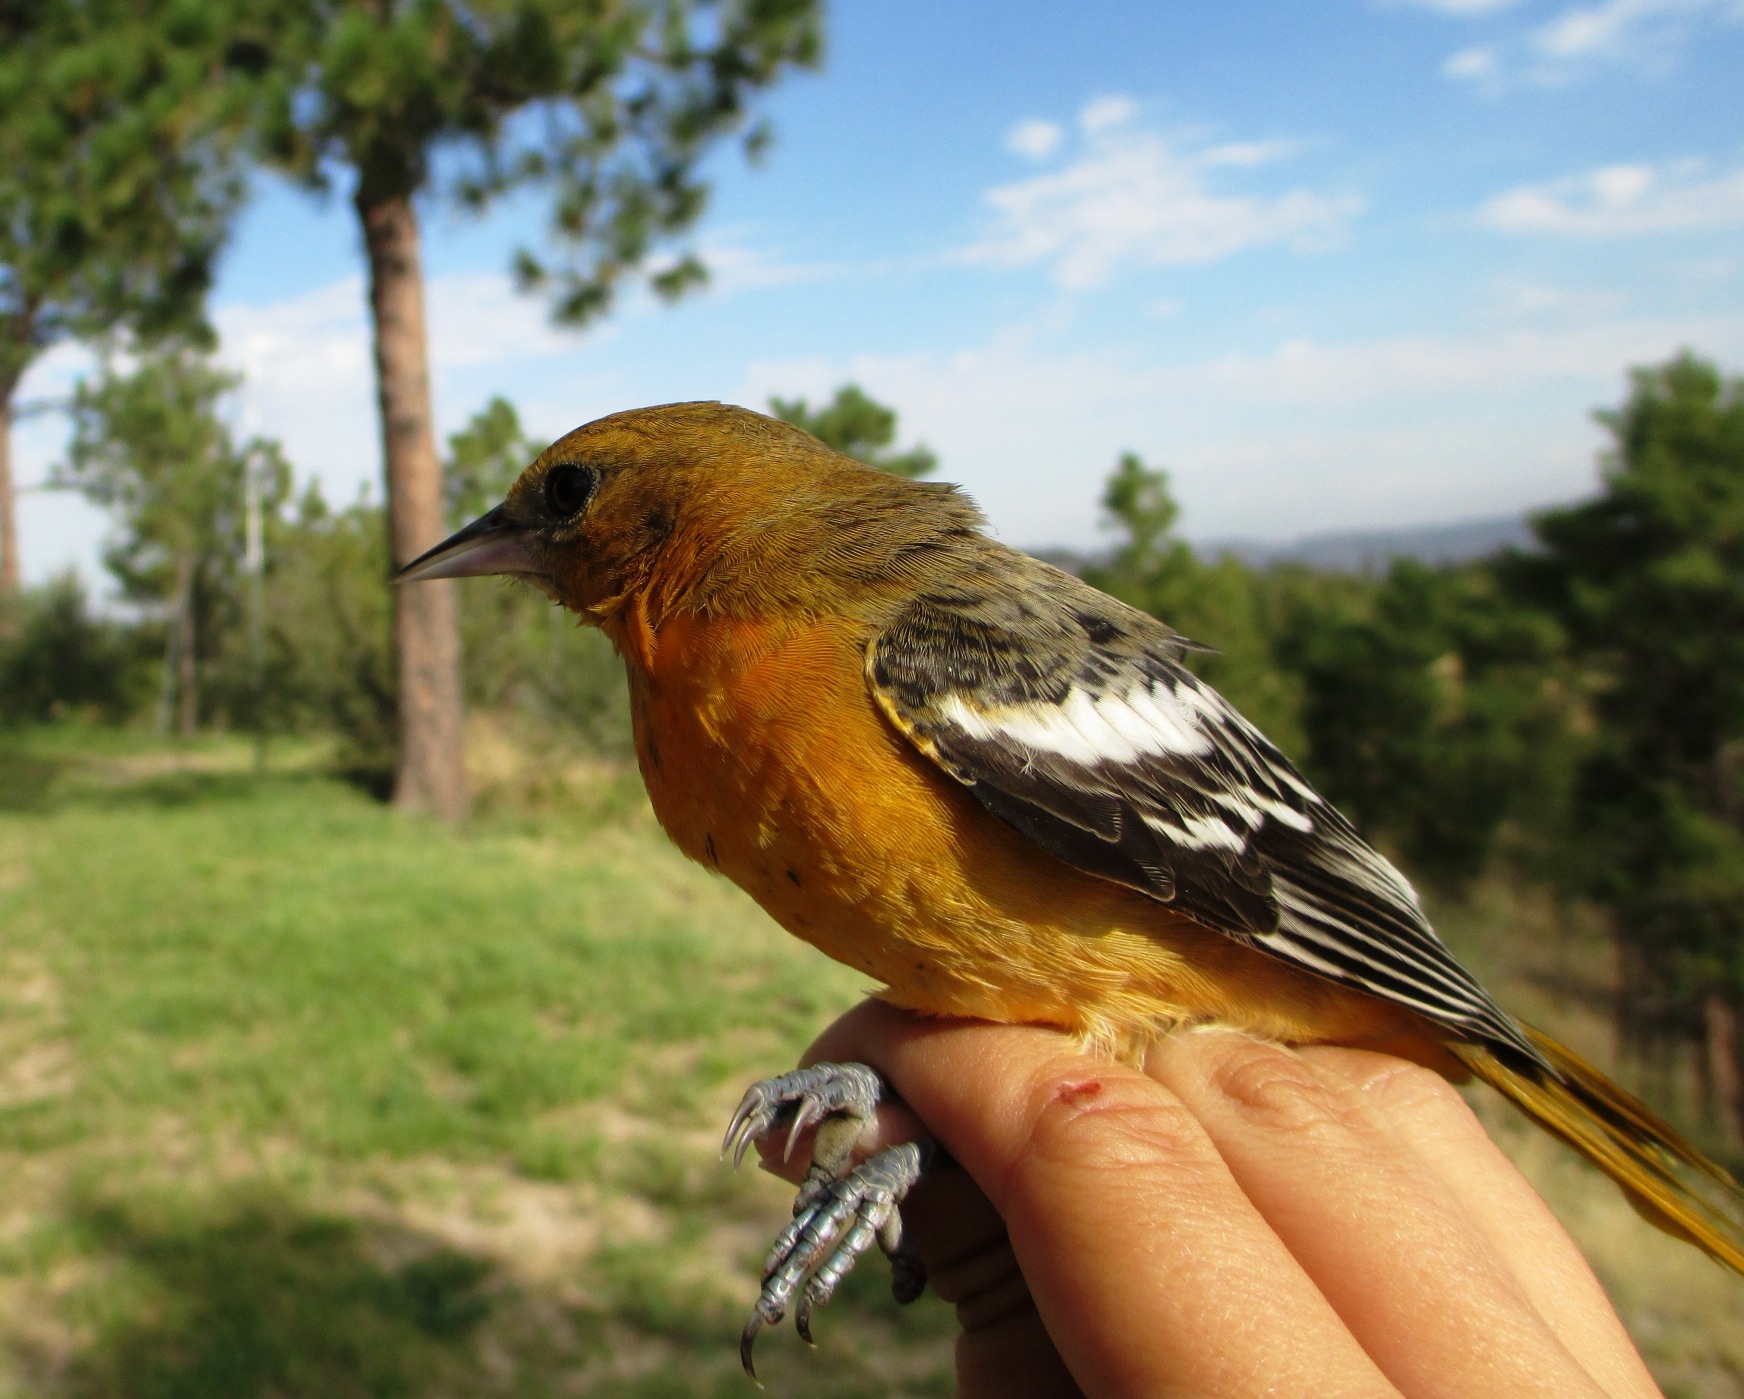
(1234,1219)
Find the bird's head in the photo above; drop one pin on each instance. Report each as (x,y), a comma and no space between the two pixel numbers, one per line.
(695,504)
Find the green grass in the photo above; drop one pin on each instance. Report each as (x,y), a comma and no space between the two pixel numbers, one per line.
(298,1097)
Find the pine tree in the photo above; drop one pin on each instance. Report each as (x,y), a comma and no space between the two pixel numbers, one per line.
(1648,580)
(116,183)
(150,446)
(607,110)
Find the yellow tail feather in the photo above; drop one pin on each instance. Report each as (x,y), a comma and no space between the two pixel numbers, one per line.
(1648,1158)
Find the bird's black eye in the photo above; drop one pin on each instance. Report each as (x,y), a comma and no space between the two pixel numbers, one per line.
(569,487)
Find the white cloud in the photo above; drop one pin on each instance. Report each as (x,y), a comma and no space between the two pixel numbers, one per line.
(1283,438)
(1245,155)
(1304,436)
(309,379)
(1607,30)
(1035,139)
(1681,196)
(1478,65)
(1459,9)
(1106,112)
(1647,35)
(1537,303)
(481,319)
(1490,361)
(734,266)
(1138,197)
(57,530)
(304,340)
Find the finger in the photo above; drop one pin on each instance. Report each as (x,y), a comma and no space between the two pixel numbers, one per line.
(1429,1114)
(1150,1268)
(1004,1351)
(1414,1278)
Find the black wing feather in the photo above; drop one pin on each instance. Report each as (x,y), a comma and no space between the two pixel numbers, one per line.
(1071,718)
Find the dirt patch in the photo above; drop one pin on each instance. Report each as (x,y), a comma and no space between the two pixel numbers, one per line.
(36,1060)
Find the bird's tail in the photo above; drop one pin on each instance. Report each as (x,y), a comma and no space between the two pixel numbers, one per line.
(1669,1182)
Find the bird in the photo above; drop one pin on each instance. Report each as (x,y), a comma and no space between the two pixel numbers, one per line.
(998,792)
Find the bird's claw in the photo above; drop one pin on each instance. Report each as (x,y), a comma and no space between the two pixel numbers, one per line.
(819,1248)
(805,1096)
(838,1213)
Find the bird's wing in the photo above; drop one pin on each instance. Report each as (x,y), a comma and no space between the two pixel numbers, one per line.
(1069,716)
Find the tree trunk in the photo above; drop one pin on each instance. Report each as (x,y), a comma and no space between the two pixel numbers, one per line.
(9,574)
(431,775)
(187,661)
(1724,1072)
(166,692)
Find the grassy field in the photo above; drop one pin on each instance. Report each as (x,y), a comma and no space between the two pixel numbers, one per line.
(299,1098)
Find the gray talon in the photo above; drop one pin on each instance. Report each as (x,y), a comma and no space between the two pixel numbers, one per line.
(823,1090)
(804,1115)
(838,1214)
(820,1247)
(748,1346)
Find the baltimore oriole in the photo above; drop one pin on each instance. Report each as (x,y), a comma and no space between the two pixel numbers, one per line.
(997,791)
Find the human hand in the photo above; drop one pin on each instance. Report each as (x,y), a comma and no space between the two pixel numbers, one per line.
(1237,1219)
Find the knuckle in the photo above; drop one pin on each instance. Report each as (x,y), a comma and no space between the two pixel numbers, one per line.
(1107,1118)
(1404,1087)
(1277,1090)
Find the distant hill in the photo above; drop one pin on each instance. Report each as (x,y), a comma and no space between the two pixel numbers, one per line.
(1351,551)
(1363,551)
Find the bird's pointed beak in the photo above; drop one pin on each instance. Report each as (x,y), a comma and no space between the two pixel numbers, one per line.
(490,544)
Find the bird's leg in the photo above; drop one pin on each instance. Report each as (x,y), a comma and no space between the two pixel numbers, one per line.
(840,1210)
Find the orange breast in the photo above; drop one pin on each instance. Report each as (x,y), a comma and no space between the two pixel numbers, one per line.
(766,759)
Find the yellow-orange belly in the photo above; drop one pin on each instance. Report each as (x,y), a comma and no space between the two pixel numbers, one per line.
(765,758)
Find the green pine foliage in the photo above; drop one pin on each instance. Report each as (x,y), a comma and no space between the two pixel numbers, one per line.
(62,661)
(1576,711)
(1648,580)
(117,177)
(329,634)
(1434,709)
(606,110)
(149,444)
(119,122)
(484,459)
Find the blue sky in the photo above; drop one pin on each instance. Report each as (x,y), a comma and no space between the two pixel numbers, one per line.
(1346,264)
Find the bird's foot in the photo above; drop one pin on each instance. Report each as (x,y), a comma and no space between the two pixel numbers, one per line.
(846,1091)
(839,1211)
